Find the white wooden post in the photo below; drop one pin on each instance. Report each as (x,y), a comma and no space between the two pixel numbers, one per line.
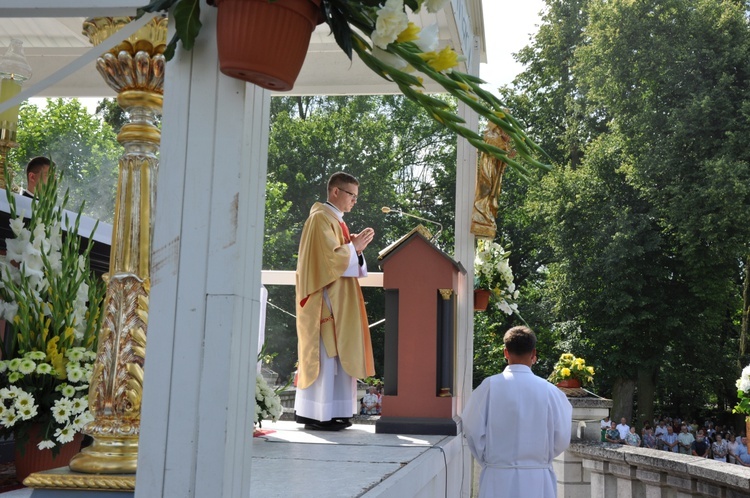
(199,394)
(466,174)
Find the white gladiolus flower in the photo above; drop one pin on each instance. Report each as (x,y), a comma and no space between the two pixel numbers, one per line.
(390,59)
(16,225)
(428,38)
(392,20)
(435,5)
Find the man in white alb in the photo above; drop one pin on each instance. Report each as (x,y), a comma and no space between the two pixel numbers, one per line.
(516,423)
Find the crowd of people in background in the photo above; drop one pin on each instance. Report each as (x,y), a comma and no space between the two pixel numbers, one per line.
(681,436)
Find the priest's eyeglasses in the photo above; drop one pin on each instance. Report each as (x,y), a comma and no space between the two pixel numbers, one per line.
(354,196)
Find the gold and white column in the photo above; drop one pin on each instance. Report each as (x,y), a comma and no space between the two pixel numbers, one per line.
(14,70)
(135,69)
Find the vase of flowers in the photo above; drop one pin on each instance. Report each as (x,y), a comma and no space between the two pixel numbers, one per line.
(267,402)
(571,372)
(493,273)
(51,302)
(743,399)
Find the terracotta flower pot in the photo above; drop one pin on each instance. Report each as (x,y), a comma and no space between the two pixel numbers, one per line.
(569,383)
(30,459)
(265,42)
(481,299)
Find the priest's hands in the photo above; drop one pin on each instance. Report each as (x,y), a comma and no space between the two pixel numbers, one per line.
(362,239)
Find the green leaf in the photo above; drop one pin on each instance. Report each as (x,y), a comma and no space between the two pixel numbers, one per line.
(187,22)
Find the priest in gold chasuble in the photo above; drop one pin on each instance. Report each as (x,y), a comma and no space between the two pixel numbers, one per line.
(334,346)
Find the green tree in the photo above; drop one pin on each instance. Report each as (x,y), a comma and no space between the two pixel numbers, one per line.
(81,146)
(639,236)
(402,160)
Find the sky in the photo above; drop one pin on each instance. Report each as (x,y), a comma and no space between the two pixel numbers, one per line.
(508,25)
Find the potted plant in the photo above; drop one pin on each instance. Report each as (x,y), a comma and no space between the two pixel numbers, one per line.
(743,400)
(571,372)
(51,303)
(493,278)
(380,33)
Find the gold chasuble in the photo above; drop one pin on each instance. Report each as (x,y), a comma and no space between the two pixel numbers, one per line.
(324,256)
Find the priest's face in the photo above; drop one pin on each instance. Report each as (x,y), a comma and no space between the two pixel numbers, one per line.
(344,197)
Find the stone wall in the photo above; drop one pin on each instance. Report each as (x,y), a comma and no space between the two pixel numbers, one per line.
(596,470)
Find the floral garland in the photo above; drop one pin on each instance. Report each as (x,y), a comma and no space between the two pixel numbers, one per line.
(394,48)
(492,271)
(52,302)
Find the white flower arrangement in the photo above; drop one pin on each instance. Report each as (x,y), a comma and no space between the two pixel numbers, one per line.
(52,302)
(743,393)
(267,402)
(493,272)
(66,404)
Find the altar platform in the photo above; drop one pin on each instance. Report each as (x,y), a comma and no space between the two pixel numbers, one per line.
(355,462)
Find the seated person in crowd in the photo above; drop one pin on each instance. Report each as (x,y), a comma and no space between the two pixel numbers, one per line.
(613,435)
(701,445)
(633,439)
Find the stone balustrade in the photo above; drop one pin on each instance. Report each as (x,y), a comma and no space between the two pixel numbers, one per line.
(603,470)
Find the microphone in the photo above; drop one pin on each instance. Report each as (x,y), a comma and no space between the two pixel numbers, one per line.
(387,210)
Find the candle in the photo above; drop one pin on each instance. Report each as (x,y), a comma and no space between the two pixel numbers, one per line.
(9,88)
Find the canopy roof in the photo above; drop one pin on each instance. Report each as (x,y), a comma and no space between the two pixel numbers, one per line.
(51,43)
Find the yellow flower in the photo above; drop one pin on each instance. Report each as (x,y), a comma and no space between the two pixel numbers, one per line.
(566,357)
(56,358)
(590,370)
(565,372)
(411,33)
(441,61)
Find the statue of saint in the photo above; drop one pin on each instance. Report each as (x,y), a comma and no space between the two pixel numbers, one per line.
(489,183)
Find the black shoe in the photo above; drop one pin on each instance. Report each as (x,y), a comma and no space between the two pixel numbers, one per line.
(347,422)
(330,425)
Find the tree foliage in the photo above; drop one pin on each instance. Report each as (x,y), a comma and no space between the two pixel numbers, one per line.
(638,237)
(402,159)
(80,145)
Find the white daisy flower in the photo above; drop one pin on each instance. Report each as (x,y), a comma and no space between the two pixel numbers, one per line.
(47,444)
(69,391)
(64,434)
(36,355)
(27,366)
(44,369)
